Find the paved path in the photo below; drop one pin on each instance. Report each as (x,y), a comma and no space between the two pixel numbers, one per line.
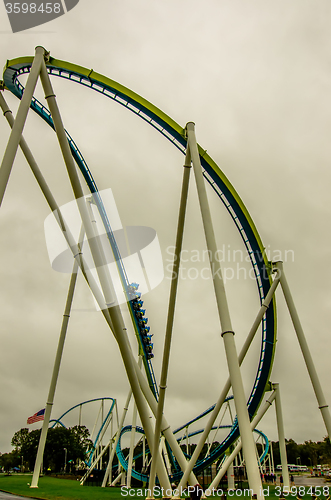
(9,496)
(309,481)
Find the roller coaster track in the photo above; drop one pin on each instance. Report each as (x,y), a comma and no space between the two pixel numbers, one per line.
(58,421)
(213,175)
(200,465)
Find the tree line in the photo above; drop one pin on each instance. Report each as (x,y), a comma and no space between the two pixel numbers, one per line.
(308,453)
(64,448)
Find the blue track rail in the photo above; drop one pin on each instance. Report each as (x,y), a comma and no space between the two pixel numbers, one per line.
(141,331)
(176,476)
(58,421)
(213,175)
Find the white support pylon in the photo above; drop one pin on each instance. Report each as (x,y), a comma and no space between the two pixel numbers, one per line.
(56,210)
(322,404)
(220,401)
(237,448)
(54,207)
(281,437)
(22,113)
(170,319)
(272,458)
(252,468)
(113,310)
(132,438)
(56,370)
(41,181)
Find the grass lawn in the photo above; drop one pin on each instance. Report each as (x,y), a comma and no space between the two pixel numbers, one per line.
(52,488)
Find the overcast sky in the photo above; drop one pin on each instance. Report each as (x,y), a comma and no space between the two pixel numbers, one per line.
(254,77)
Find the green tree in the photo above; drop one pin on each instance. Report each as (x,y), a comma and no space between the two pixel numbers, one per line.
(324,450)
(74,440)
(309,452)
(81,439)
(20,438)
(9,460)
(292,451)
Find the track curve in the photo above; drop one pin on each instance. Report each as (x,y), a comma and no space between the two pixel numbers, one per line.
(103,424)
(212,173)
(176,476)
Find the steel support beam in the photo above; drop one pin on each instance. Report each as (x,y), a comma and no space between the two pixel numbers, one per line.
(322,404)
(281,437)
(56,371)
(238,447)
(170,318)
(115,314)
(227,386)
(252,468)
(22,113)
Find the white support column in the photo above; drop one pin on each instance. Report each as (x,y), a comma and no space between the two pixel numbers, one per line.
(170,318)
(133,433)
(101,437)
(165,454)
(227,386)
(15,136)
(252,468)
(237,448)
(111,444)
(322,404)
(272,458)
(281,437)
(94,463)
(144,452)
(56,371)
(132,437)
(55,208)
(90,280)
(165,427)
(258,458)
(213,438)
(117,478)
(230,473)
(113,450)
(118,329)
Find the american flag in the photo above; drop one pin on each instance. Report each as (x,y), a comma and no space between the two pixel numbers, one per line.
(36,417)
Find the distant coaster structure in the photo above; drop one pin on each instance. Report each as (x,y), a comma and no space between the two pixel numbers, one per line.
(205,170)
(105,420)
